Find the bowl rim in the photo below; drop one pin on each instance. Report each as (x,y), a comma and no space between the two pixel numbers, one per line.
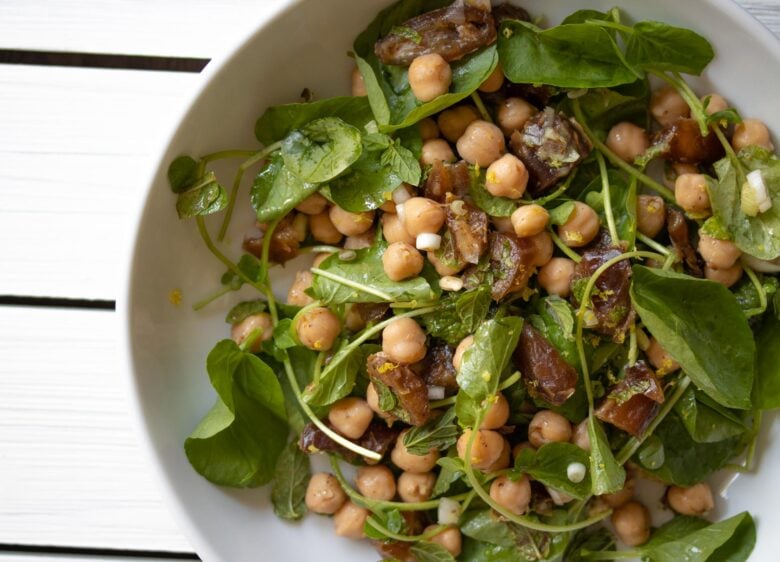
(276,9)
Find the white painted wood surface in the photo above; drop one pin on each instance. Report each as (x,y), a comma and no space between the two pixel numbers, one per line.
(74,145)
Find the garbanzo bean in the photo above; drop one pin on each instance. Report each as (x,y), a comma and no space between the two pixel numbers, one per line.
(514,495)
(667,106)
(376,482)
(547,427)
(580,435)
(507,177)
(650,215)
(358,85)
(242,330)
(318,328)
(660,359)
(486,449)
(324,494)
(428,129)
(529,220)
(751,132)
(555,277)
(418,464)
(690,192)
(436,150)
(450,539)
(402,261)
(513,113)
(423,215)
(351,416)
(453,122)
(581,227)
(430,76)
(314,204)
(482,144)
(416,487)
(457,357)
(351,224)
(404,341)
(349,521)
(493,82)
(726,277)
(497,414)
(394,230)
(719,254)
(628,141)
(297,294)
(695,500)
(323,230)
(632,523)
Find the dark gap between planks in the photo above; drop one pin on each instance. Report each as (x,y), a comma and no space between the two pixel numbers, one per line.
(103,553)
(55,302)
(94,60)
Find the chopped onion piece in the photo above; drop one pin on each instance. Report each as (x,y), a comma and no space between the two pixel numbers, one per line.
(755,197)
(575,472)
(435,392)
(400,195)
(559,498)
(451,283)
(449,512)
(428,241)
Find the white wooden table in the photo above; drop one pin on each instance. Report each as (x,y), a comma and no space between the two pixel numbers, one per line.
(76,127)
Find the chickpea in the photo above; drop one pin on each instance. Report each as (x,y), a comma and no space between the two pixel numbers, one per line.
(555,277)
(504,460)
(632,523)
(581,227)
(503,224)
(314,204)
(493,82)
(542,248)
(453,122)
(360,241)
(628,141)
(457,357)
(696,500)
(513,113)
(486,449)
(351,416)
(436,150)
(376,482)
(372,398)
(416,487)
(319,258)
(547,427)
(297,295)
(650,215)
(530,220)
(621,497)
(402,261)
(404,341)
(482,144)
(408,462)
(242,330)
(351,224)
(450,539)
(507,177)
(690,192)
(675,171)
(323,230)
(358,85)
(513,495)
(423,215)
(324,495)
(443,267)
(580,435)
(751,132)
(350,520)
(498,413)
(394,230)
(716,104)
(318,328)
(726,277)
(430,76)
(667,106)
(428,129)
(660,359)
(719,254)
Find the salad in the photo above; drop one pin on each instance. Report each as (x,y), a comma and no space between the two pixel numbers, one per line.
(532,268)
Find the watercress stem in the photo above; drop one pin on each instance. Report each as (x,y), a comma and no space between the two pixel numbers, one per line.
(211,298)
(762,299)
(222,154)
(571,254)
(404,538)
(606,193)
(647,241)
(633,351)
(555,194)
(477,99)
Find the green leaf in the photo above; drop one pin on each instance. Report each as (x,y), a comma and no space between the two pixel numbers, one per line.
(561,213)
(687,462)
(452,470)
(706,420)
(652,454)
(182,173)
(243,310)
(747,295)
(574,55)
(239,441)
(276,190)
(605,107)
(291,478)
(606,475)
(458,314)
(700,324)
(581,16)
(655,45)
(758,236)
(322,149)
(482,198)
(766,394)
(337,382)
(369,283)
(204,198)
(430,552)
(279,121)
(403,163)
(485,360)
(549,464)
(589,540)
(284,334)
(440,434)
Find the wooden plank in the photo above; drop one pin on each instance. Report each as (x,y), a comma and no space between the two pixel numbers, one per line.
(72,473)
(170,28)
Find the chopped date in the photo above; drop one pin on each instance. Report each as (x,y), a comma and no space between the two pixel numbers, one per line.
(469,229)
(633,403)
(452,32)
(437,368)
(679,234)
(378,438)
(546,373)
(284,245)
(407,386)
(507,11)
(683,142)
(511,263)
(445,178)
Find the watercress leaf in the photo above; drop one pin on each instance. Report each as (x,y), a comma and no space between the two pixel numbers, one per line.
(757,236)
(586,541)
(363,279)
(392,520)
(291,478)
(276,190)
(652,454)
(482,198)
(655,45)
(182,173)
(706,420)
(687,462)
(747,295)
(368,183)
(700,324)
(284,337)
(573,55)
(484,526)
(549,464)
(741,544)
(322,149)
(239,441)
(376,97)
(605,107)
(243,310)
(458,314)
(766,394)
(606,475)
(337,382)
(581,16)
(466,409)
(440,434)
(279,121)
(486,359)
(403,163)
(204,198)
(480,551)
(561,213)
(430,552)
(452,470)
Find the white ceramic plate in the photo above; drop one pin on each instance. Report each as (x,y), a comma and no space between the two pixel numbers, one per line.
(303,44)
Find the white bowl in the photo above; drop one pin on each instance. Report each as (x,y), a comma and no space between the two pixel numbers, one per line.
(303,44)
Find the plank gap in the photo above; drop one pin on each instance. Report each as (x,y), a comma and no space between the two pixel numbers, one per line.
(95,60)
(102,552)
(57,302)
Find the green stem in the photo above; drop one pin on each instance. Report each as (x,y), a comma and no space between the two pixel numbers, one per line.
(477,99)
(404,538)
(571,254)
(204,233)
(315,379)
(222,154)
(606,193)
(611,24)
(647,241)
(250,339)
(633,350)
(319,249)
(248,163)
(352,284)
(208,300)
(762,299)
(662,190)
